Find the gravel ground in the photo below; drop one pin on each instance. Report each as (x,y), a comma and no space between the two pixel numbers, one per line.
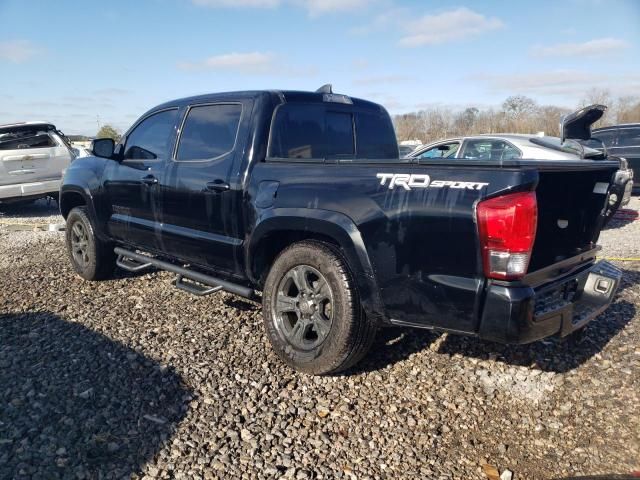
(131,377)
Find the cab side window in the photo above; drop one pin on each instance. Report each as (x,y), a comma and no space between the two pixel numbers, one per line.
(152,138)
(489,149)
(608,137)
(444,150)
(629,137)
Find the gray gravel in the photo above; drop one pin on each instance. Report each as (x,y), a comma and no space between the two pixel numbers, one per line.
(130,377)
(621,238)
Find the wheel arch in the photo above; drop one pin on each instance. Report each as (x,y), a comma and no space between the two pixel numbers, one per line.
(282,227)
(70,199)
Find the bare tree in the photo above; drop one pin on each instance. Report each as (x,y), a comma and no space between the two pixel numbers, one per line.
(519,114)
(600,96)
(628,110)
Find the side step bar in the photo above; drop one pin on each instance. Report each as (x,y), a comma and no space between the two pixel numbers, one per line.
(134,262)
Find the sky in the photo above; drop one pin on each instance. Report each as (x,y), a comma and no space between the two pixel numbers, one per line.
(85,64)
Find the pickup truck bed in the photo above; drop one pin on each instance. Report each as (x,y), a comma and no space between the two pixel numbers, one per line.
(302,196)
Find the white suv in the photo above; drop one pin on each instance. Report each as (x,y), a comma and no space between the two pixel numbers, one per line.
(33,156)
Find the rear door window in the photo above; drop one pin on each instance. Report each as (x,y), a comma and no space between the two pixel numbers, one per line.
(209,131)
(489,149)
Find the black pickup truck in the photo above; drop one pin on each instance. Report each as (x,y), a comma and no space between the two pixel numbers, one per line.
(300,200)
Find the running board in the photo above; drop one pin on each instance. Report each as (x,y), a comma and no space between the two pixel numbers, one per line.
(131,265)
(195,288)
(135,262)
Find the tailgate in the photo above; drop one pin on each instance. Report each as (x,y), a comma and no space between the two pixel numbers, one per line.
(573,206)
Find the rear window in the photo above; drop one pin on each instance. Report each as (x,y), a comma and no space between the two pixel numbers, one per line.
(299,132)
(24,139)
(376,137)
(321,131)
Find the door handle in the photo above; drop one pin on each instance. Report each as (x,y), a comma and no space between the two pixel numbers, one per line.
(149,180)
(217,186)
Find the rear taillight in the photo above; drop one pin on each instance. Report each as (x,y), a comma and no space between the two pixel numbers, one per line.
(507,229)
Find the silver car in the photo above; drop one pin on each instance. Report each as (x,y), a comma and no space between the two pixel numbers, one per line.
(33,156)
(505,147)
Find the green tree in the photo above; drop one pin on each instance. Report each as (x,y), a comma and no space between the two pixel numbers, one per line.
(107,131)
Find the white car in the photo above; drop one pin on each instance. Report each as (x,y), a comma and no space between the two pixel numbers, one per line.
(504,148)
(33,156)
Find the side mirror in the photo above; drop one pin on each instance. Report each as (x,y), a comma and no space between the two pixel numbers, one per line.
(103,147)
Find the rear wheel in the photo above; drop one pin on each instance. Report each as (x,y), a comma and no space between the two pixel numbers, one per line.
(311,310)
(90,257)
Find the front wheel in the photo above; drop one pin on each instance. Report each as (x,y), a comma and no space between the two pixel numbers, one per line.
(311,310)
(90,257)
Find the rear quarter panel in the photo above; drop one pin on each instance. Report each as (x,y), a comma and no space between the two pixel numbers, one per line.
(422,243)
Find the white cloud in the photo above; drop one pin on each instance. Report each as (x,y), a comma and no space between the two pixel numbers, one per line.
(394,18)
(17,51)
(265,63)
(381,79)
(449,26)
(568,84)
(313,7)
(253,62)
(592,48)
(320,7)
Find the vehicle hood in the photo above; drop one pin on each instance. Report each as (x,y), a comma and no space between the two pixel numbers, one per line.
(577,125)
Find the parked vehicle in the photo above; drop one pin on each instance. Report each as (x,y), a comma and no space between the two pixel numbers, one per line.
(507,147)
(33,156)
(623,141)
(302,196)
(407,146)
(80,151)
(405,150)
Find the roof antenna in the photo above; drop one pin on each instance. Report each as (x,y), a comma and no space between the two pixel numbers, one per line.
(326,88)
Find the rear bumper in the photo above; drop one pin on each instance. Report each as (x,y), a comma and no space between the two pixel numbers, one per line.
(523,314)
(31,189)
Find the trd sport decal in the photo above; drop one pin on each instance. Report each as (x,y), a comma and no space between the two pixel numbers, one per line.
(416,180)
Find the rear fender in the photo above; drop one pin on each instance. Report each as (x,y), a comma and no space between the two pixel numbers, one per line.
(323,223)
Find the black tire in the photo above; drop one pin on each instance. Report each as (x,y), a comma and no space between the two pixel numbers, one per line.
(321,348)
(90,257)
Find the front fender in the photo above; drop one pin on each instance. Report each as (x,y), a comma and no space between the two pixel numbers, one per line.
(83,178)
(326,223)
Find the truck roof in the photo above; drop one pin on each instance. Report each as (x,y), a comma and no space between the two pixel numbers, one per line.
(282,95)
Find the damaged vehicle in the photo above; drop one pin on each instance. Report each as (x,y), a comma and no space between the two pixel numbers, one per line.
(300,201)
(576,145)
(33,157)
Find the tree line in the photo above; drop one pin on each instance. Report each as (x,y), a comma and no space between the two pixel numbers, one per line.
(517,114)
